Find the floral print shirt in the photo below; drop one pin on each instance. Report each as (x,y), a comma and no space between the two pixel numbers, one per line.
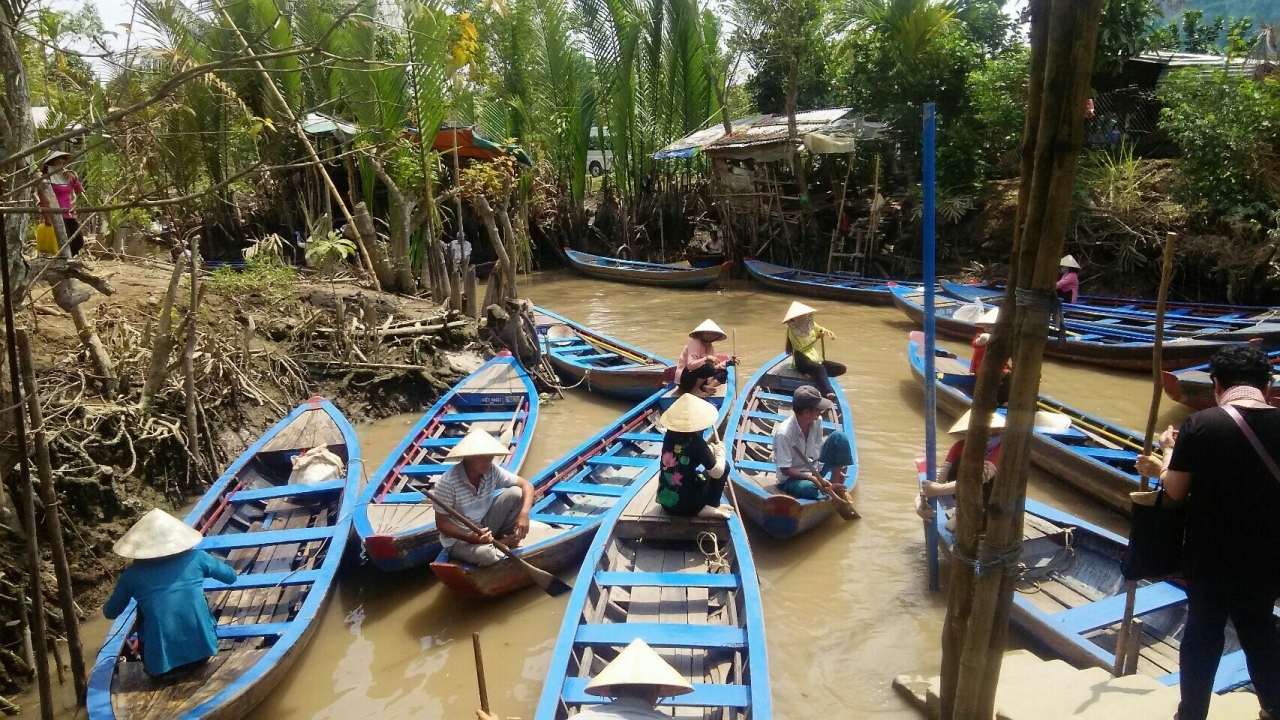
(681,487)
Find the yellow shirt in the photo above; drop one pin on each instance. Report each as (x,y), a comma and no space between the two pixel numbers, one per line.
(809,345)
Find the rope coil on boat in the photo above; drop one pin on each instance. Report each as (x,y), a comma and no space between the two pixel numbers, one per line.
(1007,559)
(1061,562)
(1042,301)
(717,560)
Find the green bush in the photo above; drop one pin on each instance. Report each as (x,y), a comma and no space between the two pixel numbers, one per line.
(1229,131)
(262,275)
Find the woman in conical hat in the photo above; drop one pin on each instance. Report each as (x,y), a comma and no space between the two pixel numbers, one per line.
(636,680)
(471,487)
(947,471)
(176,629)
(808,354)
(66,186)
(693,473)
(1068,291)
(699,370)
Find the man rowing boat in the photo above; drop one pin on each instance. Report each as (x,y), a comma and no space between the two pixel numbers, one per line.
(799,448)
(471,487)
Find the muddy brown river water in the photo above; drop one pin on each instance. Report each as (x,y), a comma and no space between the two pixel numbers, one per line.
(846,606)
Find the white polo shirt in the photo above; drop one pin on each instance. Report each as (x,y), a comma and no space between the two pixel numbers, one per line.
(456,491)
(787,439)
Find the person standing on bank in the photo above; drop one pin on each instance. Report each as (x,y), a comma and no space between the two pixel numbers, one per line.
(801,434)
(469,487)
(805,343)
(1068,291)
(1224,463)
(65,186)
(699,370)
(175,627)
(683,489)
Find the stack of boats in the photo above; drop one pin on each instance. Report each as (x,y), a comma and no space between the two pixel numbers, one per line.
(686,586)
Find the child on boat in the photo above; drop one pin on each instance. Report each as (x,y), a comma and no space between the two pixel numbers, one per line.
(176,629)
(808,353)
(683,490)
(799,449)
(985,324)
(699,370)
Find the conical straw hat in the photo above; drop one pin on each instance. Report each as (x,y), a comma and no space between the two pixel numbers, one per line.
(690,413)
(709,326)
(962,425)
(638,664)
(477,443)
(1051,423)
(158,534)
(1069,261)
(797,309)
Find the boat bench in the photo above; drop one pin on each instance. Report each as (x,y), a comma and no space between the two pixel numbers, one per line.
(775,396)
(756,438)
(562,519)
(1109,611)
(595,356)
(289,491)
(611,578)
(754,465)
(235,541)
(703,695)
(416,470)
(641,437)
(1233,674)
(450,418)
(1105,454)
(439,442)
(589,489)
(237,632)
(760,415)
(249,581)
(411,497)
(667,635)
(621,460)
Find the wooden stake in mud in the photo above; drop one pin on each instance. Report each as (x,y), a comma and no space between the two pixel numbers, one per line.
(40,642)
(1123,644)
(52,524)
(188,367)
(484,688)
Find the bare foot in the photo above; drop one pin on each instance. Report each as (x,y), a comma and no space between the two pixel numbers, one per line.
(831,396)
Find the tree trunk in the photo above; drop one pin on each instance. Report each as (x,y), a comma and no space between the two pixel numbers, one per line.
(364,228)
(162,344)
(401,213)
(189,371)
(17,131)
(505,271)
(793,90)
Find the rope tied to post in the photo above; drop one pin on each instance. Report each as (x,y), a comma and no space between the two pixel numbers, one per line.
(1041,301)
(1006,559)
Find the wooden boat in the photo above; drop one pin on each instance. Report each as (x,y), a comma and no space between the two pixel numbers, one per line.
(1241,314)
(659,579)
(485,269)
(643,273)
(700,259)
(765,403)
(603,364)
(1194,388)
(1110,344)
(1071,597)
(1093,456)
(285,542)
(392,516)
(575,494)
(832,286)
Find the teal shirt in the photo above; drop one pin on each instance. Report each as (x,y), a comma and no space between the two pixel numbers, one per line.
(177,627)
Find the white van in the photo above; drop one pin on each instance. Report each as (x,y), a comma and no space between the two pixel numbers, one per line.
(598,155)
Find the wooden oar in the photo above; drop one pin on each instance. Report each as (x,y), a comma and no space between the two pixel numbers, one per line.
(484,689)
(843,506)
(509,432)
(1128,644)
(551,584)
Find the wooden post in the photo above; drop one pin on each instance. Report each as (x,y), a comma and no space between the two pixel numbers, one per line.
(52,523)
(19,424)
(930,337)
(188,367)
(1064,77)
(162,343)
(471,304)
(480,681)
(1123,641)
(844,191)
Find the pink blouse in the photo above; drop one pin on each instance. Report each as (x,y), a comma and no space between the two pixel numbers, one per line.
(693,356)
(66,194)
(1069,283)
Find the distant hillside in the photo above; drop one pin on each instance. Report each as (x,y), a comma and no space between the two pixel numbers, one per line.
(1266,10)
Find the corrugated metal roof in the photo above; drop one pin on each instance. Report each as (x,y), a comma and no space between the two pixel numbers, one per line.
(774,129)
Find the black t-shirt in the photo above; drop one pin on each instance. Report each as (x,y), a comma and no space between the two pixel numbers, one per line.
(1233,514)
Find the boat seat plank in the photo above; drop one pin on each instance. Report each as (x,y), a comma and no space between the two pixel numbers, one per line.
(1106,453)
(439,442)
(264,580)
(470,417)
(703,695)
(755,465)
(595,356)
(228,632)
(589,489)
(266,537)
(1109,611)
(760,415)
(424,469)
(670,635)
(281,491)
(620,461)
(1232,673)
(641,437)
(777,397)
(403,498)
(560,519)
(666,579)
(756,438)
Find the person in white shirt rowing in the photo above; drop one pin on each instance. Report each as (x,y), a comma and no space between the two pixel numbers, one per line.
(802,434)
(471,487)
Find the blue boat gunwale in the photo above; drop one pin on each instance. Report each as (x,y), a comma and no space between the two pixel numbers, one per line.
(739,407)
(98,700)
(814,277)
(638,265)
(546,487)
(360,512)
(606,340)
(752,619)
(917,362)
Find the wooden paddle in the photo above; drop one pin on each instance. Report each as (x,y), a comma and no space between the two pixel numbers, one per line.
(843,506)
(1128,644)
(550,584)
(484,689)
(509,432)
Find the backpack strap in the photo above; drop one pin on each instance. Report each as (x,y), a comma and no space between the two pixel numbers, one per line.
(1253,440)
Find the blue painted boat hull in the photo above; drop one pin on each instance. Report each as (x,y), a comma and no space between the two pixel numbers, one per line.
(643,273)
(831,286)
(601,364)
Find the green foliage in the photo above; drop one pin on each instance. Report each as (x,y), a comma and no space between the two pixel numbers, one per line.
(262,275)
(330,246)
(998,93)
(1229,131)
(1126,30)
(1116,180)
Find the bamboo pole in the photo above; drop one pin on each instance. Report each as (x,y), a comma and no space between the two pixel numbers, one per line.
(1153,415)
(52,523)
(301,134)
(1069,44)
(480,681)
(188,366)
(19,424)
